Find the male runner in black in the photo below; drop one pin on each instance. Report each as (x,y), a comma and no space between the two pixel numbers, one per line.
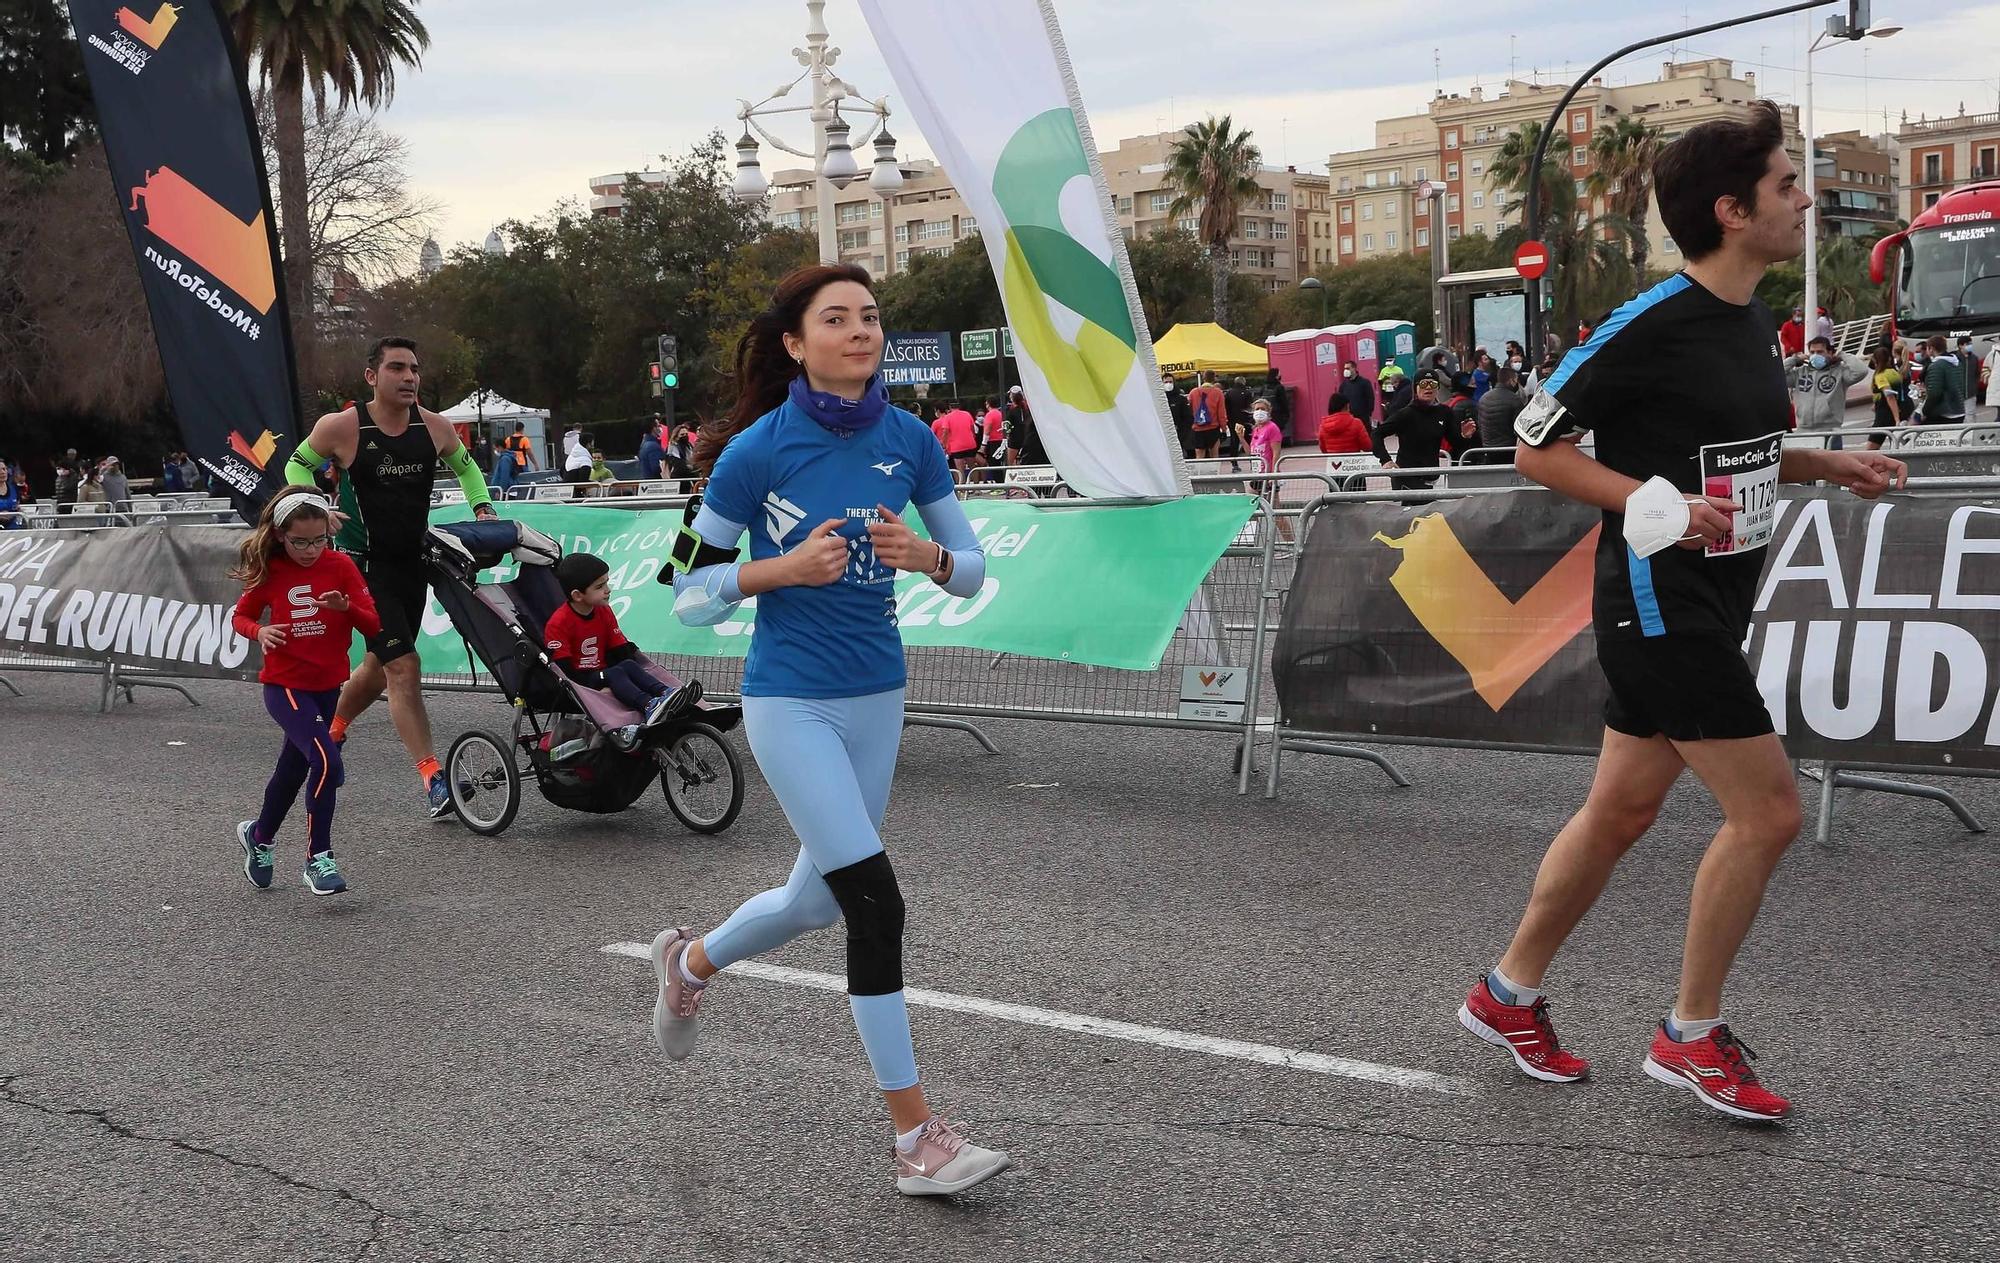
(390,449)
(1684,383)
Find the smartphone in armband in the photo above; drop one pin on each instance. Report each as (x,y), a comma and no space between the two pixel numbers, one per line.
(690,551)
(687,545)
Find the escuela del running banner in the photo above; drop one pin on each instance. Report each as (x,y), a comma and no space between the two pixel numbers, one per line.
(1873,640)
(1101,585)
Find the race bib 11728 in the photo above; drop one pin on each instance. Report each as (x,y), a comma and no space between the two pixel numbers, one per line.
(1746,472)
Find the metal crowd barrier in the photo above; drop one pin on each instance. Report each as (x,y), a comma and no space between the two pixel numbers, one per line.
(1902,438)
(952,687)
(114,679)
(1231,624)
(1831,774)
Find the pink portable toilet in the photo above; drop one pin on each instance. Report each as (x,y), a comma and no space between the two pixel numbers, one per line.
(1292,355)
(1312,399)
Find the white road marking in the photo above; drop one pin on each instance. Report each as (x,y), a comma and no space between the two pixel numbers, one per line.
(1105,1028)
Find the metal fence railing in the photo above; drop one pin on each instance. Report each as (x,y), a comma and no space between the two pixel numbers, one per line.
(1282,737)
(952,687)
(1231,624)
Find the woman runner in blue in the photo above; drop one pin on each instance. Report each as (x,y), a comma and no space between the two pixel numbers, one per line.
(818,468)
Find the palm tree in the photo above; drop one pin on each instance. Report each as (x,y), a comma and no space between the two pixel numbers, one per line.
(1214,167)
(1509,169)
(1621,173)
(348,50)
(1590,256)
(1844,287)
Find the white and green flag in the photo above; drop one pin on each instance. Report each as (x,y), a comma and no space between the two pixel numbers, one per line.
(1017,146)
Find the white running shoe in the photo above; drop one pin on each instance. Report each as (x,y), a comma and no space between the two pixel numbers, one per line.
(674,1028)
(944,1161)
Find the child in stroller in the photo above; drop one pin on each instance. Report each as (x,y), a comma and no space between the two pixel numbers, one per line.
(620,755)
(583,638)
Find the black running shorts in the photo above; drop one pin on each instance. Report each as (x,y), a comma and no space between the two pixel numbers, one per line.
(1691,688)
(401,595)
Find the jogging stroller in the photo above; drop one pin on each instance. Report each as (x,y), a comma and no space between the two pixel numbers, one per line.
(585,748)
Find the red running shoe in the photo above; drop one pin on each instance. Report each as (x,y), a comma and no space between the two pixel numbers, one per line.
(1717,1068)
(1525,1031)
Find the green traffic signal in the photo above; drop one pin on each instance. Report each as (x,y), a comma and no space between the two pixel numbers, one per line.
(670,380)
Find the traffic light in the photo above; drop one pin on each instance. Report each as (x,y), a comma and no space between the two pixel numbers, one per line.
(668,369)
(1857,18)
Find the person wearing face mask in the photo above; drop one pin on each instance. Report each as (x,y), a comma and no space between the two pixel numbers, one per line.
(1267,439)
(1177,407)
(1359,394)
(1819,381)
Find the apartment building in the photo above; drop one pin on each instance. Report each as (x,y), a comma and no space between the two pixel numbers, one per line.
(1855,185)
(1275,233)
(881,234)
(1941,154)
(1453,143)
(607,192)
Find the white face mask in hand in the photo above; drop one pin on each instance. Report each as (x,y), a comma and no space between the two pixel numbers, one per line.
(1656,517)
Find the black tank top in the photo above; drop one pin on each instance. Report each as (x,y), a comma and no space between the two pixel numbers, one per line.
(391,479)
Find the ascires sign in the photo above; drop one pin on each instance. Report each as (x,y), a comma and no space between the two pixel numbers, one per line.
(918,359)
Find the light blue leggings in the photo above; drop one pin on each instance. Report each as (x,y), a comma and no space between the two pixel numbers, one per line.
(830,762)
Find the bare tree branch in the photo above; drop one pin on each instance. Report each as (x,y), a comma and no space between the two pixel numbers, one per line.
(362,216)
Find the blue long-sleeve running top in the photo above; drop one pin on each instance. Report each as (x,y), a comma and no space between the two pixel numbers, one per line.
(782,477)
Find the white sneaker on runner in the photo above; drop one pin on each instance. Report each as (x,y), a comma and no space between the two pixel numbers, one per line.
(944,1161)
(674,1007)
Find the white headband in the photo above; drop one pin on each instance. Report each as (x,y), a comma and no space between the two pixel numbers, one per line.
(291,504)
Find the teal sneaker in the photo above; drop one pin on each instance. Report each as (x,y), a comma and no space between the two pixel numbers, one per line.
(322,875)
(256,856)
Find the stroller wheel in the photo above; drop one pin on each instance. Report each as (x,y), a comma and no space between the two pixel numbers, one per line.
(701,777)
(485,784)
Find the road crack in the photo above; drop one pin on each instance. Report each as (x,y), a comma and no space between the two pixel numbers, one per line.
(379,1216)
(102,1117)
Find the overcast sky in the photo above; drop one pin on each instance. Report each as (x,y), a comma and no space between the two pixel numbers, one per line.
(520,102)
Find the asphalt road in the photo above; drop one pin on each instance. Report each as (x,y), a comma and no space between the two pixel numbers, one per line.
(445,1064)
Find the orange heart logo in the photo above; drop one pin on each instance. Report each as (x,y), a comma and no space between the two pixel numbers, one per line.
(153,32)
(1500,643)
(1207,677)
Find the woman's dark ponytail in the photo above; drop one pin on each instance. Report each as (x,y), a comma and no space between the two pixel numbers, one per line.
(764,369)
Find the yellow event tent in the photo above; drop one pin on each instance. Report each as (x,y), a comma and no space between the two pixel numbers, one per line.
(1202,348)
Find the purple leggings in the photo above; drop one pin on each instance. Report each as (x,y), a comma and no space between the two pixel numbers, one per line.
(309,761)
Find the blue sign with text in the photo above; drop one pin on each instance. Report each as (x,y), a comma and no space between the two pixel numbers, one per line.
(918,359)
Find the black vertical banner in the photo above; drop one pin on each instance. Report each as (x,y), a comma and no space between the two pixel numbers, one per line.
(173,104)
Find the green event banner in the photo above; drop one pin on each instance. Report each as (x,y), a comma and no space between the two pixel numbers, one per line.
(1102,584)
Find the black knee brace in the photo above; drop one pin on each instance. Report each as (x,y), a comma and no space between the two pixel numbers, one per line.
(872,904)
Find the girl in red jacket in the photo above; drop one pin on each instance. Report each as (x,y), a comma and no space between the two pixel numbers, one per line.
(317,600)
